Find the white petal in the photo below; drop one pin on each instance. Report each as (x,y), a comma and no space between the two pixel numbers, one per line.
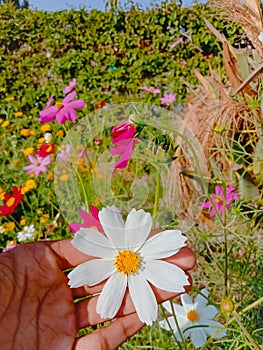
(163,244)
(187,302)
(111,297)
(200,300)
(178,309)
(207,312)
(93,243)
(165,276)
(137,228)
(113,225)
(91,272)
(214,327)
(198,337)
(143,299)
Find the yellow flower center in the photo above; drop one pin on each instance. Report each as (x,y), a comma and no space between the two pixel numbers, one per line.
(219,200)
(10,202)
(59,105)
(49,149)
(37,164)
(127,262)
(192,316)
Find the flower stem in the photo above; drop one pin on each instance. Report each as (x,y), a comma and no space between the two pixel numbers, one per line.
(156,198)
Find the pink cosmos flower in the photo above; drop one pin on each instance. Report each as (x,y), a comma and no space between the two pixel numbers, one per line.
(123,140)
(168,98)
(89,220)
(64,153)
(151,89)
(219,201)
(62,110)
(49,101)
(177,42)
(38,164)
(71,86)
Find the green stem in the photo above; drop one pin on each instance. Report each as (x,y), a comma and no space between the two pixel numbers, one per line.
(156,198)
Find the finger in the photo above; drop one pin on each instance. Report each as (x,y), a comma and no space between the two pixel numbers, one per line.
(112,336)
(67,255)
(86,314)
(185,259)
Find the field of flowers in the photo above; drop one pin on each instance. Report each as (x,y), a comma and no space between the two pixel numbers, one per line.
(153,110)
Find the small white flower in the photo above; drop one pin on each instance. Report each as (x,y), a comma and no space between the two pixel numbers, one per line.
(260,37)
(128,259)
(48,137)
(195,319)
(28,233)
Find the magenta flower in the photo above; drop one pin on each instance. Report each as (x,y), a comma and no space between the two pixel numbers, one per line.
(62,110)
(177,42)
(49,101)
(64,153)
(168,98)
(151,89)
(89,220)
(71,86)
(219,201)
(38,164)
(123,140)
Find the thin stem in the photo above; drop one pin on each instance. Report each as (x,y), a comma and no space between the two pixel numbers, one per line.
(156,198)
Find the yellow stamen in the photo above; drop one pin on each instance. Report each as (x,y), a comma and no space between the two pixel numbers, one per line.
(227,305)
(37,163)
(127,262)
(192,316)
(10,202)
(49,149)
(59,105)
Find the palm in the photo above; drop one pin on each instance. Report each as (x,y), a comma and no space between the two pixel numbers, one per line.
(46,313)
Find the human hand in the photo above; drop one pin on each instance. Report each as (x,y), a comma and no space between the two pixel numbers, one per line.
(37,309)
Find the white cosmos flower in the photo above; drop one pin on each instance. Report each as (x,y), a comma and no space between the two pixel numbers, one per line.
(128,260)
(195,319)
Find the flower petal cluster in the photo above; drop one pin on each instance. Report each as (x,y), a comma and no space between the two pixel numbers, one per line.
(38,164)
(124,142)
(151,89)
(28,233)
(62,111)
(89,220)
(46,150)
(219,200)
(168,98)
(128,258)
(195,319)
(11,201)
(71,86)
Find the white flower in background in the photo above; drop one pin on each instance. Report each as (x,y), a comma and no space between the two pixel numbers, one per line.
(260,37)
(128,259)
(28,233)
(48,137)
(195,319)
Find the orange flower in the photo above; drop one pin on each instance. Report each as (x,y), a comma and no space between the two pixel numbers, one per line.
(45,127)
(18,114)
(28,151)
(25,132)
(10,226)
(15,161)
(60,133)
(30,184)
(22,222)
(5,123)
(63,177)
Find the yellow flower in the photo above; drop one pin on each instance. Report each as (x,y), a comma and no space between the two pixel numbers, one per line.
(45,127)
(4,89)
(50,176)
(44,218)
(83,169)
(79,147)
(18,114)
(81,161)
(3,136)
(11,98)
(41,140)
(15,161)
(28,151)
(1,120)
(32,132)
(5,123)
(25,132)
(63,177)
(79,127)
(10,226)
(96,202)
(60,133)
(30,184)
(227,305)
(22,222)
(2,193)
